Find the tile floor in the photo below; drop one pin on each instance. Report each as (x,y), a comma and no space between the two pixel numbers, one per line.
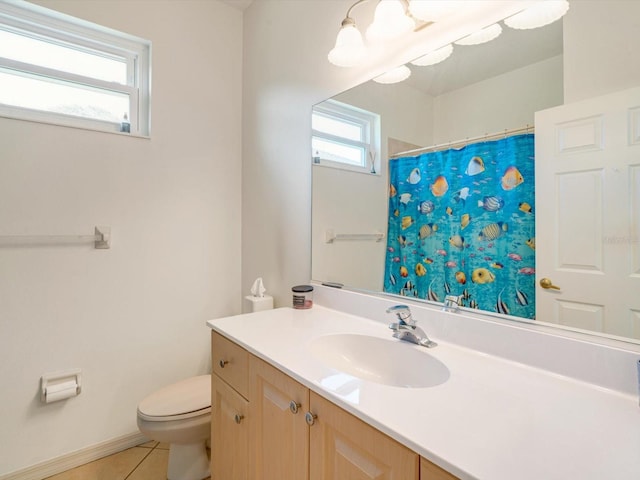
(144,462)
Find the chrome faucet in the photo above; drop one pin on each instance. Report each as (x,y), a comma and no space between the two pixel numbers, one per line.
(452,303)
(406,329)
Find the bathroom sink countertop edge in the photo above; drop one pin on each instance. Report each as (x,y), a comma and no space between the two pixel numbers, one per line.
(491,419)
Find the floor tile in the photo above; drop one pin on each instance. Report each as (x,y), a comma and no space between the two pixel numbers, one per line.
(149,444)
(154,466)
(113,467)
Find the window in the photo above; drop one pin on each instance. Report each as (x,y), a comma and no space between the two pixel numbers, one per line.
(58,69)
(345,137)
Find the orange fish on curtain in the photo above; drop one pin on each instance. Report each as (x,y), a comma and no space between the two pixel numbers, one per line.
(462,223)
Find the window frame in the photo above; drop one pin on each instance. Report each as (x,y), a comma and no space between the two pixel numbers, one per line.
(369,122)
(61,29)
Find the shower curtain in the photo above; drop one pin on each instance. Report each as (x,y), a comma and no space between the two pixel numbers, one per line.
(461,222)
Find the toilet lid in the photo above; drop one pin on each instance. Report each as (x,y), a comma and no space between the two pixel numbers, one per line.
(179,398)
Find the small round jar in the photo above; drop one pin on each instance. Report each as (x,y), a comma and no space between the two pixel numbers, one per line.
(302,296)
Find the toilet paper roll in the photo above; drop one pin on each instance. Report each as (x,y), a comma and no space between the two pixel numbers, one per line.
(258,304)
(60,391)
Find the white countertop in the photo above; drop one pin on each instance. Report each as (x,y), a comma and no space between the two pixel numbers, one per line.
(493,419)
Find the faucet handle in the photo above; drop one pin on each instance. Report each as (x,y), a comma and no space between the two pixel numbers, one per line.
(403,313)
(396,308)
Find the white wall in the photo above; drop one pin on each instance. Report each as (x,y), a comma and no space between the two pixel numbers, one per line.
(600,47)
(503,102)
(282,80)
(132,317)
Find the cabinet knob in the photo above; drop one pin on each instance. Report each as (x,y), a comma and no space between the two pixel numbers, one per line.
(222,363)
(238,418)
(294,406)
(310,418)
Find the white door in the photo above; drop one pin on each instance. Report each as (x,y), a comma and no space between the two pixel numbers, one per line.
(588,214)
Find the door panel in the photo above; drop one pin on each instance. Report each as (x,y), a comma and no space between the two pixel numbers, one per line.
(588,214)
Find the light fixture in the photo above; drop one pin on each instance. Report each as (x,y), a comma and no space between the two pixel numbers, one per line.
(390,21)
(393,18)
(396,75)
(481,36)
(349,50)
(538,15)
(434,57)
(433,10)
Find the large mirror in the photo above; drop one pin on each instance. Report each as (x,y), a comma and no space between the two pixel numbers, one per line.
(478,91)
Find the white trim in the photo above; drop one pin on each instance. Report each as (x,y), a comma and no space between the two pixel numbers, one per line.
(75,459)
(38,72)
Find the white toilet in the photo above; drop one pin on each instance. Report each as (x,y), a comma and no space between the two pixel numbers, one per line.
(180,415)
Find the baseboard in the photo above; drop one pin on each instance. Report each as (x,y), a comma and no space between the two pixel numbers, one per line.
(79,457)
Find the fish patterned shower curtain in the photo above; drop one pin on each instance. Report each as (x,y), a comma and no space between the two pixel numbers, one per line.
(461,222)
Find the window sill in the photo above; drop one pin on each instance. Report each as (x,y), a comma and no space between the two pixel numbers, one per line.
(76,127)
(346,168)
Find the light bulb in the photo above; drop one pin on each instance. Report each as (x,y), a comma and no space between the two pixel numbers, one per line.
(396,75)
(481,36)
(389,21)
(538,15)
(434,57)
(349,49)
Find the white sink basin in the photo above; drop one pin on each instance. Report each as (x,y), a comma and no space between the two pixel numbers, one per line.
(390,362)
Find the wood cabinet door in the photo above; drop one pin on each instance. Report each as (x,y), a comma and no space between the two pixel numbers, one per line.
(229,432)
(230,362)
(342,447)
(279,434)
(430,471)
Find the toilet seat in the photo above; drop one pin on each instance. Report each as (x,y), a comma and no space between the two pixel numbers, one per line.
(181,400)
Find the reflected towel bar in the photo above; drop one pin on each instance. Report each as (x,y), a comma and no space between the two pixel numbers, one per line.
(330,236)
(101,239)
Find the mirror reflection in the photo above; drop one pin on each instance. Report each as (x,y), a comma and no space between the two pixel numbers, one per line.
(453,106)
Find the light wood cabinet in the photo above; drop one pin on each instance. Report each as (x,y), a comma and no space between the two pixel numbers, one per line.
(230,419)
(344,447)
(229,432)
(279,434)
(430,471)
(267,426)
(230,363)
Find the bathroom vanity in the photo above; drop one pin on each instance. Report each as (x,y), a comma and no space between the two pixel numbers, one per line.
(321,394)
(285,430)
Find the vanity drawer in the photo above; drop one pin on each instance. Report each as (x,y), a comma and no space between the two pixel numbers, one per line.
(230,363)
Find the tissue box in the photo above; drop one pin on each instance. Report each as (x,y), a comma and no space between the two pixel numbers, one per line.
(257,304)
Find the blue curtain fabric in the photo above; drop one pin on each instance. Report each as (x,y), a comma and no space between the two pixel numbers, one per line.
(461,222)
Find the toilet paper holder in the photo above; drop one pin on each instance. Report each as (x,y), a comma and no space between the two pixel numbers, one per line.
(60,385)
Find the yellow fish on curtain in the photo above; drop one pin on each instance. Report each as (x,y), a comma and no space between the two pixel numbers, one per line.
(465,225)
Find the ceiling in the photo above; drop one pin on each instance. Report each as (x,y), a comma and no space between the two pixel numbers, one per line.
(471,64)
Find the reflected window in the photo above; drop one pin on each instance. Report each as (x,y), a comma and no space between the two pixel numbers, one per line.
(344,136)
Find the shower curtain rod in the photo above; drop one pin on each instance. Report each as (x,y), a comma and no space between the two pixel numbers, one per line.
(462,143)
